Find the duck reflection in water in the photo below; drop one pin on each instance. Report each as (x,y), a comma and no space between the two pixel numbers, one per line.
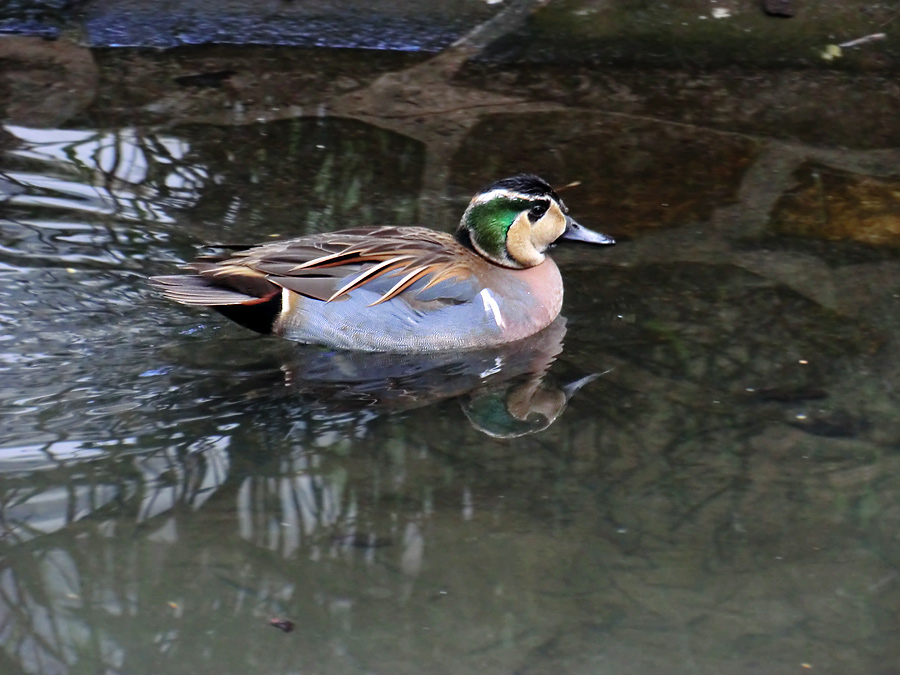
(505,391)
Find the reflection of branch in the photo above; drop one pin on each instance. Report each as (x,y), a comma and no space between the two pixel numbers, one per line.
(34,640)
(7,194)
(863,40)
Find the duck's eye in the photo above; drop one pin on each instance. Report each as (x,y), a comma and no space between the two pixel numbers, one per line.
(537,211)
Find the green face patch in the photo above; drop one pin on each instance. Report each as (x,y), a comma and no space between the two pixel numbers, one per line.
(488,224)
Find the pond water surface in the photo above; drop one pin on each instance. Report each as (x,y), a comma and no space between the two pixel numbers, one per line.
(696,471)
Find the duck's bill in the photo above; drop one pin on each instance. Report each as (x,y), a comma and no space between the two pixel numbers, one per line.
(576,232)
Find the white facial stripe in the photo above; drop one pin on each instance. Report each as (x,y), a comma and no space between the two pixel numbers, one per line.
(490,305)
(505,194)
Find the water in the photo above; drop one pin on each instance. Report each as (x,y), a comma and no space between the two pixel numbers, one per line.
(718,493)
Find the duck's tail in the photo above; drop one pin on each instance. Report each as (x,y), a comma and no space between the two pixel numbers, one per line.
(254,304)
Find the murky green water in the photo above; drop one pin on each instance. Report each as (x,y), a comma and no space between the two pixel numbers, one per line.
(723,498)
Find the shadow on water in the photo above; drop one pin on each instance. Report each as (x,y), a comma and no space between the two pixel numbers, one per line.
(723,498)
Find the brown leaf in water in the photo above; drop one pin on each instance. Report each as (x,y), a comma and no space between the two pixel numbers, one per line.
(282,624)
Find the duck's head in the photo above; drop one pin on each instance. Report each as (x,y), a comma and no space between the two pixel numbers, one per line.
(513,221)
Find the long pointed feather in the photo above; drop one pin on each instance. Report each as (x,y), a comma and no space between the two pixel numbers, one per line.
(326,260)
(446,271)
(368,275)
(402,285)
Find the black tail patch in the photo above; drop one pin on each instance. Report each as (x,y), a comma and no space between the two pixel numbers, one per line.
(257,316)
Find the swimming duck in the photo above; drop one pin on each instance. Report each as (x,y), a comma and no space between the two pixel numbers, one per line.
(401,289)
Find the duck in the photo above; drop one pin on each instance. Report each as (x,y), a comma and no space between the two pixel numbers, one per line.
(402,289)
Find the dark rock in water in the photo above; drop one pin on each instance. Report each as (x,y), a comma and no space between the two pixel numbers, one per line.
(838,424)
(782,8)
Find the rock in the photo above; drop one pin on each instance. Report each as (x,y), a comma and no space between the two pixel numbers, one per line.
(832,204)
(44,84)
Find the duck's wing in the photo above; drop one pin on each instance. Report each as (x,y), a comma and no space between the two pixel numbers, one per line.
(327,267)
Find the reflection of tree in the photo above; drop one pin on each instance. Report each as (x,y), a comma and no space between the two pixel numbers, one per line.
(340,521)
(301,502)
(77,480)
(119,196)
(98,591)
(124,173)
